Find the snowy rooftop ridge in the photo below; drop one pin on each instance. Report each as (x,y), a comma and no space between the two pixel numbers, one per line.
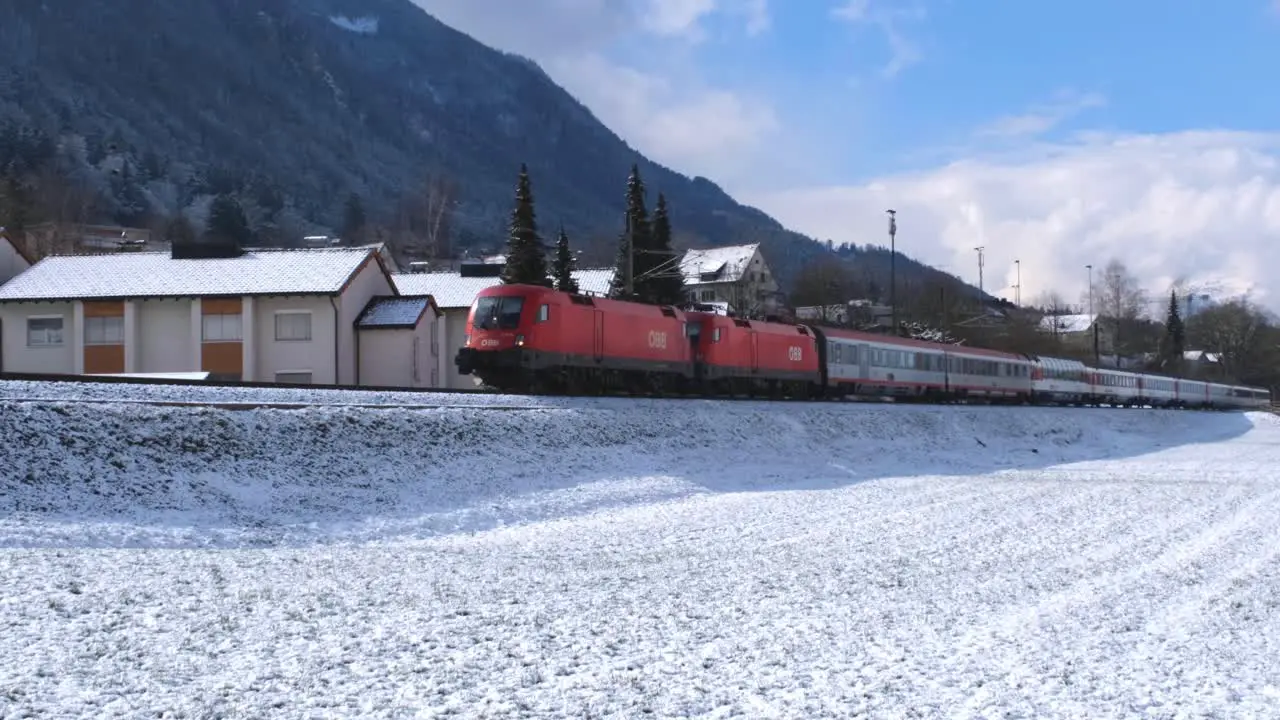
(728,264)
(395,312)
(452,291)
(156,274)
(1067,323)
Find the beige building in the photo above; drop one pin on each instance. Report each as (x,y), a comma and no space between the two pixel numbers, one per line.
(399,343)
(290,316)
(736,276)
(455,292)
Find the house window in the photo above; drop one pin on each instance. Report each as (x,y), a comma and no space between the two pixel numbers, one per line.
(44,332)
(297,377)
(293,326)
(104,330)
(709,295)
(222,328)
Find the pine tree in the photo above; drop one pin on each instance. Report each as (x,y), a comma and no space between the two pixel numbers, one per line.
(1175,332)
(227,224)
(353,220)
(564,265)
(634,246)
(668,284)
(526,260)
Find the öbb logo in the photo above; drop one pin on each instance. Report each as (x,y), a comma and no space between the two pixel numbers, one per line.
(657,340)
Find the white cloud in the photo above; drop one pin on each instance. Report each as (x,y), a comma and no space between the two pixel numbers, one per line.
(1043,117)
(1199,205)
(888,16)
(681,18)
(661,108)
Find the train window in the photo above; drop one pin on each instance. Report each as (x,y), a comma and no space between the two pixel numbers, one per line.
(544,311)
(498,313)
(715,336)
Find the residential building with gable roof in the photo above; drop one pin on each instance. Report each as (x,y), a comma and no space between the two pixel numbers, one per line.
(289,316)
(456,291)
(736,275)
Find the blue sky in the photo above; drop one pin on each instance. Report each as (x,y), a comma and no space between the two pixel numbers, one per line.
(1151,67)
(1058,134)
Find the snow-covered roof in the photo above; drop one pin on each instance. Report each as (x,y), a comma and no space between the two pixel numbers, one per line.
(404,311)
(1200,356)
(156,274)
(1066,323)
(1063,364)
(722,264)
(451,290)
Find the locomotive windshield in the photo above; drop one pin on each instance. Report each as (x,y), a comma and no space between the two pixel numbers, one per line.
(497,313)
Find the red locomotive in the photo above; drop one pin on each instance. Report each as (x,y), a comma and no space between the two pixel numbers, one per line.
(528,337)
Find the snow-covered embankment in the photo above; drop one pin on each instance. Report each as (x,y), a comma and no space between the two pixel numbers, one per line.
(82,474)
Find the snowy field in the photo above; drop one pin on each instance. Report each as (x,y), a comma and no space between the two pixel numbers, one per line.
(637,559)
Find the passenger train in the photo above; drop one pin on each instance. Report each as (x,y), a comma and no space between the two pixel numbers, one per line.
(526,338)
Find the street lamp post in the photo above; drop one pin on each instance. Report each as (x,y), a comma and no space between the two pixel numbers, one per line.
(893,270)
(981,291)
(1017,295)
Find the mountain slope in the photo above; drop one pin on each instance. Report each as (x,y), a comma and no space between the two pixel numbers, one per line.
(293,104)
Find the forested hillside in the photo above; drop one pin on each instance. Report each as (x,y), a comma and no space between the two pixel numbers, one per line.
(133,111)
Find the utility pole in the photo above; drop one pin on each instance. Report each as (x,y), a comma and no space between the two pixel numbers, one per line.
(893,270)
(1093,320)
(1017,293)
(980,290)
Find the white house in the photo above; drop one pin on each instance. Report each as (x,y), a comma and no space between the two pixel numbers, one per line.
(13,260)
(455,292)
(737,275)
(263,315)
(398,342)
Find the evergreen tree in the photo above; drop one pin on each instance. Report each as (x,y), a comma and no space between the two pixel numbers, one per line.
(564,265)
(634,246)
(668,283)
(1175,332)
(526,260)
(353,220)
(227,223)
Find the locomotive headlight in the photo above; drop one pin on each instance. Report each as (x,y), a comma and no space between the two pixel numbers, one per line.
(520,340)
(466,340)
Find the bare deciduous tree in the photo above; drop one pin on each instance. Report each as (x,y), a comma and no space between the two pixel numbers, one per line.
(1120,304)
(423,223)
(825,284)
(1238,332)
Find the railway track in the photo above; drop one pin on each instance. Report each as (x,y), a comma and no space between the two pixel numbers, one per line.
(262,405)
(236,405)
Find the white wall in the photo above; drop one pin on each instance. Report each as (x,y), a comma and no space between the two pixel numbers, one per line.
(16,357)
(164,337)
(456,331)
(368,283)
(11,263)
(387,358)
(272,356)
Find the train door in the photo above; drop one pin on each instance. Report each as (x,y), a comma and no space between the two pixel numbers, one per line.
(598,339)
(755,351)
(863,355)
